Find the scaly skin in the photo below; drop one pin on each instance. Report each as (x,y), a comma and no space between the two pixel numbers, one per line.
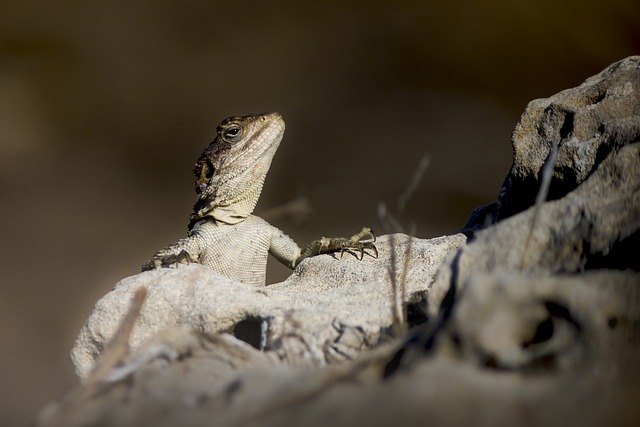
(223,235)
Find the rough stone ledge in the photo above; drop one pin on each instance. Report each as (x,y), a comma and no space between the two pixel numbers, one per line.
(537,334)
(313,309)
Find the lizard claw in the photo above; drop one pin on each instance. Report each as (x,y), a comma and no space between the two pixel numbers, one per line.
(170,260)
(360,243)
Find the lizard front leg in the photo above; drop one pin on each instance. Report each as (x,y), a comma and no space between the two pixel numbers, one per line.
(359,243)
(184,251)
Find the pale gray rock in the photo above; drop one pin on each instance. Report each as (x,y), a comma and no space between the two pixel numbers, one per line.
(509,320)
(202,380)
(544,334)
(588,122)
(520,282)
(328,310)
(595,226)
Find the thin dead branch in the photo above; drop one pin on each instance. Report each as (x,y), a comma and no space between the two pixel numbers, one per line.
(118,347)
(115,353)
(391,225)
(541,197)
(414,182)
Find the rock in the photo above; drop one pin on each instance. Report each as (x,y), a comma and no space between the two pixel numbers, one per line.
(534,320)
(328,310)
(595,226)
(204,380)
(593,220)
(508,320)
(588,122)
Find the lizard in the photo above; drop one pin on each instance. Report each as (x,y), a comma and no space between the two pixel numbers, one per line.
(223,234)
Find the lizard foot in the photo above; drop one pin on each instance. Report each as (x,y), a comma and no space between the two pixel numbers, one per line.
(169,260)
(364,239)
(358,245)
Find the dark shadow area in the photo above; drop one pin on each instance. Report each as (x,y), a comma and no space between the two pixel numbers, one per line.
(249,330)
(623,255)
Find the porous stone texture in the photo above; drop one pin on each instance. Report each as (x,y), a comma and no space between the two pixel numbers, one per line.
(329,309)
(593,220)
(534,320)
(512,321)
(593,227)
(588,122)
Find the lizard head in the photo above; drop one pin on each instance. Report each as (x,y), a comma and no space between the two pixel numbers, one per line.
(232,169)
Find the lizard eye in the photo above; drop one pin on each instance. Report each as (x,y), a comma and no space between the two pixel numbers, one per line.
(232,133)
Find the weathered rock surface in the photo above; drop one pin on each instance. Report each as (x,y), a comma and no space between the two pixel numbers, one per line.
(588,122)
(201,380)
(539,333)
(551,323)
(329,309)
(593,227)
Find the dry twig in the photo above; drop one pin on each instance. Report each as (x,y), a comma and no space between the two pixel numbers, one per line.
(113,356)
(543,192)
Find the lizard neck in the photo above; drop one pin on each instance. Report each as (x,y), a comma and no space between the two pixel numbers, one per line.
(233,202)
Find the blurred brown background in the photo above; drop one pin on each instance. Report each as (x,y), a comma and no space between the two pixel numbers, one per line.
(105,106)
